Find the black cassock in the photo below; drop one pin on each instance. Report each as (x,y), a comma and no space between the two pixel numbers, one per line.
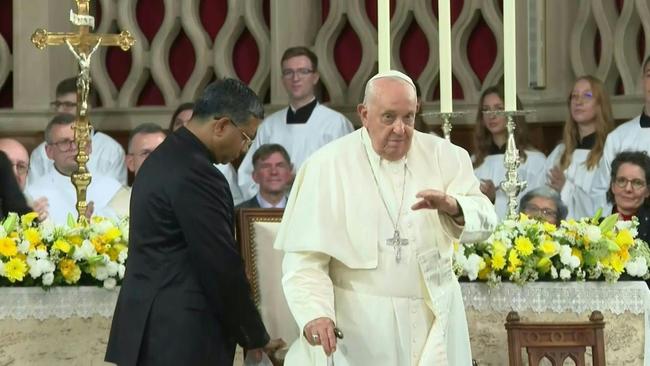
(185,299)
(11,198)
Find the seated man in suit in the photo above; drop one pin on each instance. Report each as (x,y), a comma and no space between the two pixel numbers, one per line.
(56,185)
(272,171)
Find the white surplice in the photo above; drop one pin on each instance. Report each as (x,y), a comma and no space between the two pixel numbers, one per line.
(576,190)
(529,171)
(229,171)
(338,265)
(629,136)
(62,197)
(107,159)
(299,139)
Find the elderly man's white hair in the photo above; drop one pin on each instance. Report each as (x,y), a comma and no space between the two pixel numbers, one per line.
(390,74)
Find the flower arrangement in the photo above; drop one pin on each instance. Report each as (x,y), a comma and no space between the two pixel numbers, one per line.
(41,254)
(526,250)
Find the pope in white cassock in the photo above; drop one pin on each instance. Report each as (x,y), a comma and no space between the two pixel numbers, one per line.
(368,238)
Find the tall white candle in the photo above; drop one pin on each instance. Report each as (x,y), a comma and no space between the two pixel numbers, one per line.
(509,55)
(383,35)
(444,51)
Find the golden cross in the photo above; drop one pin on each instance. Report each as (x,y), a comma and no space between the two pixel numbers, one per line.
(83,45)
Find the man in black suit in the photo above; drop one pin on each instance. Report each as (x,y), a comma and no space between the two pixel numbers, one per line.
(272,171)
(185,299)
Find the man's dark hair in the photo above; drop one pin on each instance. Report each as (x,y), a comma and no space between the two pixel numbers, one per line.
(62,119)
(69,85)
(301,51)
(638,158)
(183,107)
(266,150)
(228,98)
(144,128)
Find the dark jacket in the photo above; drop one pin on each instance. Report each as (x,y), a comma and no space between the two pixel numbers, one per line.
(644,223)
(11,198)
(185,299)
(251,203)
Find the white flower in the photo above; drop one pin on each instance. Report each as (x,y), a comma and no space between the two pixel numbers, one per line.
(120,271)
(553,272)
(565,254)
(48,278)
(2,267)
(473,266)
(574,262)
(84,251)
(47,230)
(121,258)
(565,274)
(622,225)
(637,267)
(109,283)
(41,253)
(592,233)
(23,247)
(34,269)
(101,273)
(112,268)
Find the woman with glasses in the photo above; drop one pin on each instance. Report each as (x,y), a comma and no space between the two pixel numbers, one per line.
(490,137)
(545,204)
(628,190)
(571,166)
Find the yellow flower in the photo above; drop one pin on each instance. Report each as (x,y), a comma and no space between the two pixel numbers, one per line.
(62,245)
(15,269)
(498,249)
(75,240)
(548,247)
(32,236)
(624,254)
(28,218)
(523,217)
(484,272)
(577,253)
(524,246)
(98,243)
(111,234)
(498,262)
(70,271)
(544,265)
(624,239)
(617,263)
(548,227)
(514,261)
(8,247)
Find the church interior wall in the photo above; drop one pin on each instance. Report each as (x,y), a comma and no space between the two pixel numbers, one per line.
(183,45)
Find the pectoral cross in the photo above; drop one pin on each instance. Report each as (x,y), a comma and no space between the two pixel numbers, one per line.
(83,45)
(397,243)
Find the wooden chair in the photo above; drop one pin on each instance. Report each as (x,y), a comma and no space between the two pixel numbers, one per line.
(556,341)
(256,232)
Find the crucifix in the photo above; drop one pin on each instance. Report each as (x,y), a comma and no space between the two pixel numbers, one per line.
(397,243)
(83,45)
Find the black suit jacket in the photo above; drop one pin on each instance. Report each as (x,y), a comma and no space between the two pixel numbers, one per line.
(11,198)
(251,203)
(185,299)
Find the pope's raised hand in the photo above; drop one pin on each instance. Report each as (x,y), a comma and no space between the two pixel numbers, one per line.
(437,200)
(320,331)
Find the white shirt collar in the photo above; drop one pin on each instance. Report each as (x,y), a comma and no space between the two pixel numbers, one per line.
(265,204)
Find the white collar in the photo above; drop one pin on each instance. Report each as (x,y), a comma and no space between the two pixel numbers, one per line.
(265,204)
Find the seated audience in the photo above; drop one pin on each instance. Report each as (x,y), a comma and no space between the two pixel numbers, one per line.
(272,171)
(143,139)
(11,199)
(633,135)
(181,116)
(107,158)
(543,203)
(490,140)
(19,158)
(571,166)
(628,190)
(57,186)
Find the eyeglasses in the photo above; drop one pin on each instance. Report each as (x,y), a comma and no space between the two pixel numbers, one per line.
(533,210)
(637,184)
(247,140)
(65,105)
(65,145)
(21,168)
(586,96)
(302,72)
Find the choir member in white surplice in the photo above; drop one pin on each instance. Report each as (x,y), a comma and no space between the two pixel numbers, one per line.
(633,135)
(368,237)
(490,137)
(301,128)
(108,155)
(571,166)
(56,185)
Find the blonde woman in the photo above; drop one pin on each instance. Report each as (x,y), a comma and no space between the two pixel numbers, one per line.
(571,166)
(490,137)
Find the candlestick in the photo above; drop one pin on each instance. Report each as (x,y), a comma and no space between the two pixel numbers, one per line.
(510,55)
(383,35)
(444,53)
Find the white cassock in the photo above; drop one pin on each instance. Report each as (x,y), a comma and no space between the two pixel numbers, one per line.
(62,197)
(338,265)
(120,203)
(576,191)
(299,139)
(107,158)
(229,171)
(629,136)
(530,171)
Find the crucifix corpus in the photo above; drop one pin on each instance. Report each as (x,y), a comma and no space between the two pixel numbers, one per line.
(83,45)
